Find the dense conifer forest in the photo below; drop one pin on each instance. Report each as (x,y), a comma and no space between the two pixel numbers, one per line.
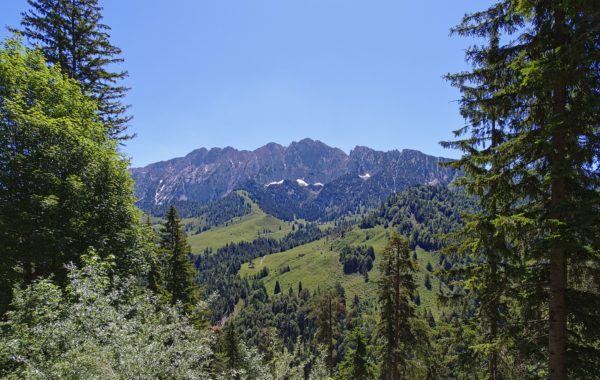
(493,276)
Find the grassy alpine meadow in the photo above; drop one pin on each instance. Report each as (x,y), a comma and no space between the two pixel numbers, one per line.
(300,194)
(245,228)
(317,266)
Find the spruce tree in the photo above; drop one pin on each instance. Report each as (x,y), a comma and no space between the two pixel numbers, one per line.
(395,290)
(480,243)
(277,288)
(231,347)
(427,281)
(180,272)
(329,310)
(72,36)
(355,365)
(532,147)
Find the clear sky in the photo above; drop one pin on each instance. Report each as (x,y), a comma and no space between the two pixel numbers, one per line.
(242,73)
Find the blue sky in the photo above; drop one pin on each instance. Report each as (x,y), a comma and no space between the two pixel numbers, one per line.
(242,73)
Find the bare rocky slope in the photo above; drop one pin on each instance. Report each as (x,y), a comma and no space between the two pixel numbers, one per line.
(313,175)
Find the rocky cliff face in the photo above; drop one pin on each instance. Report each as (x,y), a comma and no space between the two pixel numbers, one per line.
(206,175)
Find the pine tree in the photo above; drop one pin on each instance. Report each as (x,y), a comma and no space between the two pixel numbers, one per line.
(180,272)
(531,147)
(483,245)
(231,348)
(427,281)
(72,36)
(277,288)
(355,365)
(329,309)
(396,289)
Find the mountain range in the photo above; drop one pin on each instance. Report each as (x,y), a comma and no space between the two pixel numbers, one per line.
(307,179)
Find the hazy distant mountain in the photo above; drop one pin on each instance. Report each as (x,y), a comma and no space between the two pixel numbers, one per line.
(309,174)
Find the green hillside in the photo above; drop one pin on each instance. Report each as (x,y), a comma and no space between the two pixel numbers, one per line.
(317,265)
(245,228)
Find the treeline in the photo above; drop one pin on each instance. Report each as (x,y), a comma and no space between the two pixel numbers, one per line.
(218,268)
(357,259)
(343,197)
(361,339)
(88,291)
(423,213)
(287,201)
(208,215)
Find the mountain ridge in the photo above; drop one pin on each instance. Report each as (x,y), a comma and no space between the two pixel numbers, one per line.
(205,175)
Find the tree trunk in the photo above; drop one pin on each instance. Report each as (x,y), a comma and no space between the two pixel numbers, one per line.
(557,337)
(28,272)
(493,360)
(558,320)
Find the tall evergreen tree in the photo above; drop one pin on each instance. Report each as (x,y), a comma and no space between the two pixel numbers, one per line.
(395,290)
(72,36)
(479,242)
(355,365)
(180,272)
(543,164)
(329,309)
(231,347)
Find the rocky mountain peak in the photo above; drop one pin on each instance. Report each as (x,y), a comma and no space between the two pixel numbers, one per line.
(205,175)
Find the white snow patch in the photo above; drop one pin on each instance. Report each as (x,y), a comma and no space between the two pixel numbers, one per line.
(318,184)
(301,182)
(274,183)
(365,176)
(158,196)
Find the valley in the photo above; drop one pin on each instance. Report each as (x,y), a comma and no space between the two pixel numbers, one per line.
(199,227)
(316,264)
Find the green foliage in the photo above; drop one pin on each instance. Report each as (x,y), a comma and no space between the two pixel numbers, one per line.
(253,224)
(208,215)
(422,213)
(277,288)
(330,312)
(355,365)
(103,326)
(178,272)
(396,289)
(218,270)
(531,148)
(99,326)
(357,259)
(64,186)
(231,347)
(72,37)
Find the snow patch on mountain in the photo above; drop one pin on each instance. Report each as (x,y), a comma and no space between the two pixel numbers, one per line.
(301,182)
(318,184)
(365,176)
(280,182)
(159,196)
